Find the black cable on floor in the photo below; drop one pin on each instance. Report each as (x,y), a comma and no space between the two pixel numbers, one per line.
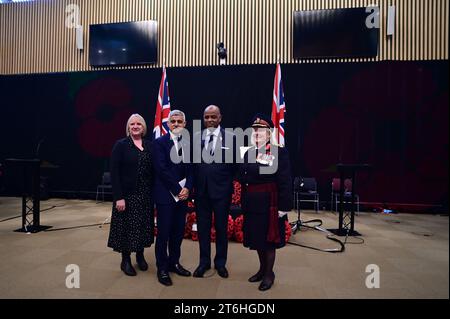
(75,227)
(19,216)
(54,206)
(352,243)
(10,218)
(329,236)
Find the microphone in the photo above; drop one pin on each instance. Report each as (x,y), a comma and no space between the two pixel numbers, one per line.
(39,147)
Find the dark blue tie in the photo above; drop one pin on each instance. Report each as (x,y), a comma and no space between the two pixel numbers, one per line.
(180,149)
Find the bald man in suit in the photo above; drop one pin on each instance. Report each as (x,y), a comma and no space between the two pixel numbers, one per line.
(213,184)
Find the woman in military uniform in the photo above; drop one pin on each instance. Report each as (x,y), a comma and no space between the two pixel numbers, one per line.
(265,176)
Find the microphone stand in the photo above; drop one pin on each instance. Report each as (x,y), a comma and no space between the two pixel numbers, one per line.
(38,148)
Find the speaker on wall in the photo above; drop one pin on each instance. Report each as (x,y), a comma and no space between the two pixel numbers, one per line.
(391,20)
(79,37)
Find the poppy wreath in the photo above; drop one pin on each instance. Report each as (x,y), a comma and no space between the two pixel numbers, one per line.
(190,206)
(194,236)
(238,233)
(288,228)
(230,228)
(191,219)
(236,197)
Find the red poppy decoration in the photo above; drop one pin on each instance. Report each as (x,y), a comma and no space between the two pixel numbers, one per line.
(230,228)
(213,234)
(288,230)
(400,132)
(187,230)
(238,222)
(103,107)
(239,236)
(236,197)
(238,233)
(191,219)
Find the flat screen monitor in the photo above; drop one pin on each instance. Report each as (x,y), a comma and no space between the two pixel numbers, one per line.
(336,33)
(124,43)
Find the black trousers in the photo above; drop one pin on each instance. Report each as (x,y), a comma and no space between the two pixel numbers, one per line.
(205,207)
(171,219)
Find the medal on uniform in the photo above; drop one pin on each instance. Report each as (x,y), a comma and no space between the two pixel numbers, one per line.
(265,159)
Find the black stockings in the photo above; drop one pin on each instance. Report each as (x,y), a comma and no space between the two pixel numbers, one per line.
(266,262)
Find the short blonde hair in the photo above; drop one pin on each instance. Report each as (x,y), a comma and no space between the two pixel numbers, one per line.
(140,119)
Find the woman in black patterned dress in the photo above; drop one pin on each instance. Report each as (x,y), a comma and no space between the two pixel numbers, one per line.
(132,221)
(265,176)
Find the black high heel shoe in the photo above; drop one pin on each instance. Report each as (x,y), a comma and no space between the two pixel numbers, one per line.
(256,277)
(267,283)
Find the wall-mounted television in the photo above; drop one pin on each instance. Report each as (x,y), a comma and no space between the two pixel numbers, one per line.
(335,33)
(125,43)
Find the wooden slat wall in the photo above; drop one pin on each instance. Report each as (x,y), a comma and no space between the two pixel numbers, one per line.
(34,38)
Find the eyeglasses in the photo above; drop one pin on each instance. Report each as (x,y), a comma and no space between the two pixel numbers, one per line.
(176,121)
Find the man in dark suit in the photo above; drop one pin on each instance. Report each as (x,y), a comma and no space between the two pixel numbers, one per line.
(213,186)
(173,183)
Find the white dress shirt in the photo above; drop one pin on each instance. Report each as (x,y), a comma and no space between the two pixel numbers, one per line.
(215,133)
(174,138)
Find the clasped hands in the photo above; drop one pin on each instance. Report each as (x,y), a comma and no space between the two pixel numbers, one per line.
(184,194)
(120,205)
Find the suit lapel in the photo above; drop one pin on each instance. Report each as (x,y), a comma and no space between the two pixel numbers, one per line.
(222,137)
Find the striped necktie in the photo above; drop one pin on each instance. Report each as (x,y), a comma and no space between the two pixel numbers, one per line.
(210,145)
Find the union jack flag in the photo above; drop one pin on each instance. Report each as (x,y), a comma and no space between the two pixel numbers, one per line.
(160,127)
(278,107)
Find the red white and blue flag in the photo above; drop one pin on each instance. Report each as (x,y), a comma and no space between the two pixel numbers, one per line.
(278,108)
(160,127)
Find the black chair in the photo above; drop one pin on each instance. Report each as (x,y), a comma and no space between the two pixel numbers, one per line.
(335,191)
(305,190)
(105,187)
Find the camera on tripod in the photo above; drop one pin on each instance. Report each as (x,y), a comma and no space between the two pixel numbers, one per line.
(222,53)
